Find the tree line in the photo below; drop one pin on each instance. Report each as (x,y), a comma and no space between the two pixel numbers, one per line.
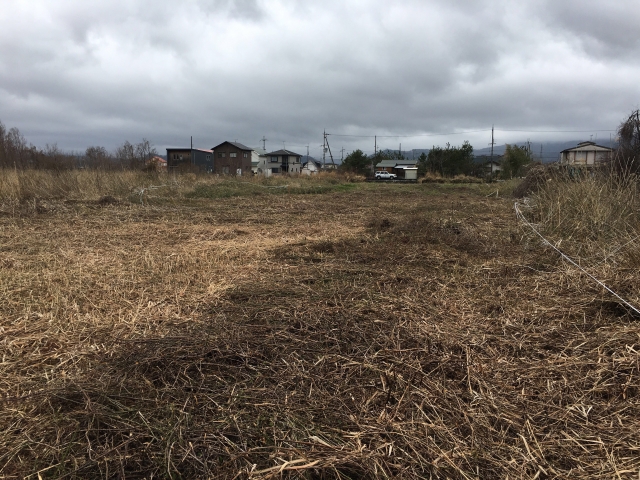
(447,161)
(16,152)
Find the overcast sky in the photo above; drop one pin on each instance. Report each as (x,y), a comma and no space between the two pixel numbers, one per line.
(80,73)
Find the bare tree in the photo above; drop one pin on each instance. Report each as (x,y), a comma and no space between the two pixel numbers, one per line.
(145,152)
(135,156)
(627,156)
(97,157)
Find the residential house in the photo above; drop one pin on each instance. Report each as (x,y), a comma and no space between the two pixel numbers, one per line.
(156,163)
(282,161)
(310,166)
(232,158)
(258,161)
(189,158)
(487,165)
(585,154)
(405,169)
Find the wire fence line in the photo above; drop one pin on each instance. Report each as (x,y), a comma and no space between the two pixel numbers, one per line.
(545,241)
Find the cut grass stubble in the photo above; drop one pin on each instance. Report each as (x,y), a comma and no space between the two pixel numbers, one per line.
(409,335)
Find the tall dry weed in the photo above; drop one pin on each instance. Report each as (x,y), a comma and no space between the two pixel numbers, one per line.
(591,215)
(25,185)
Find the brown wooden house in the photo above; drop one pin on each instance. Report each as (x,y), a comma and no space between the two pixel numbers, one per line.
(232,158)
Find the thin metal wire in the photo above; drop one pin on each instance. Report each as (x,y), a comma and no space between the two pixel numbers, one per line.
(521,216)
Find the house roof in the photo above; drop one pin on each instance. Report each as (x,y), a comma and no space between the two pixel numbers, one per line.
(315,162)
(397,163)
(386,163)
(184,149)
(235,144)
(284,152)
(260,151)
(588,147)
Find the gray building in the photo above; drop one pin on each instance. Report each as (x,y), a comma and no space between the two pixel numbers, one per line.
(189,159)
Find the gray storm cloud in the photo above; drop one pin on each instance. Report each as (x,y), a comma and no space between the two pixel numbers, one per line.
(97,73)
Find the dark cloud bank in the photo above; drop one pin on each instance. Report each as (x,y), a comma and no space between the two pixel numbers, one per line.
(97,73)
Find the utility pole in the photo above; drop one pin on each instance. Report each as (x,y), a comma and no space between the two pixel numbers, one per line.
(324,149)
(341,154)
(492,143)
(264,143)
(375,144)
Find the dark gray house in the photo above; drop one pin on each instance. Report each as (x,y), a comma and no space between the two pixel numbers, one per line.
(189,158)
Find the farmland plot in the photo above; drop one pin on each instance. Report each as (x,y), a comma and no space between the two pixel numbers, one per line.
(397,331)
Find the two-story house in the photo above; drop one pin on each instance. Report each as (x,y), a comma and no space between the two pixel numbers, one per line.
(232,158)
(282,161)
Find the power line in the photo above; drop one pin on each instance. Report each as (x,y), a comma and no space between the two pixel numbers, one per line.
(410,136)
(555,131)
(464,132)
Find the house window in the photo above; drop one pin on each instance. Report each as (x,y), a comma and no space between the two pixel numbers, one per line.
(275,170)
(208,157)
(221,155)
(274,159)
(245,155)
(233,155)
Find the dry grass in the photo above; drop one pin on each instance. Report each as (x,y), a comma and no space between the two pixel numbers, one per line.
(593,217)
(28,191)
(378,331)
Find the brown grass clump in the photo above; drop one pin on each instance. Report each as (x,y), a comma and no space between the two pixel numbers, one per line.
(590,213)
(435,177)
(379,331)
(431,177)
(593,216)
(535,179)
(466,179)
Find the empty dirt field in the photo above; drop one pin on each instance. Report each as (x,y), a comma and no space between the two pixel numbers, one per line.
(364,331)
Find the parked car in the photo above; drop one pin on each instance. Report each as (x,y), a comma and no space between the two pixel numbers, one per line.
(386,176)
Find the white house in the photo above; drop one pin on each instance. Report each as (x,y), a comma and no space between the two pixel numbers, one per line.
(258,160)
(311,167)
(586,153)
(282,161)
